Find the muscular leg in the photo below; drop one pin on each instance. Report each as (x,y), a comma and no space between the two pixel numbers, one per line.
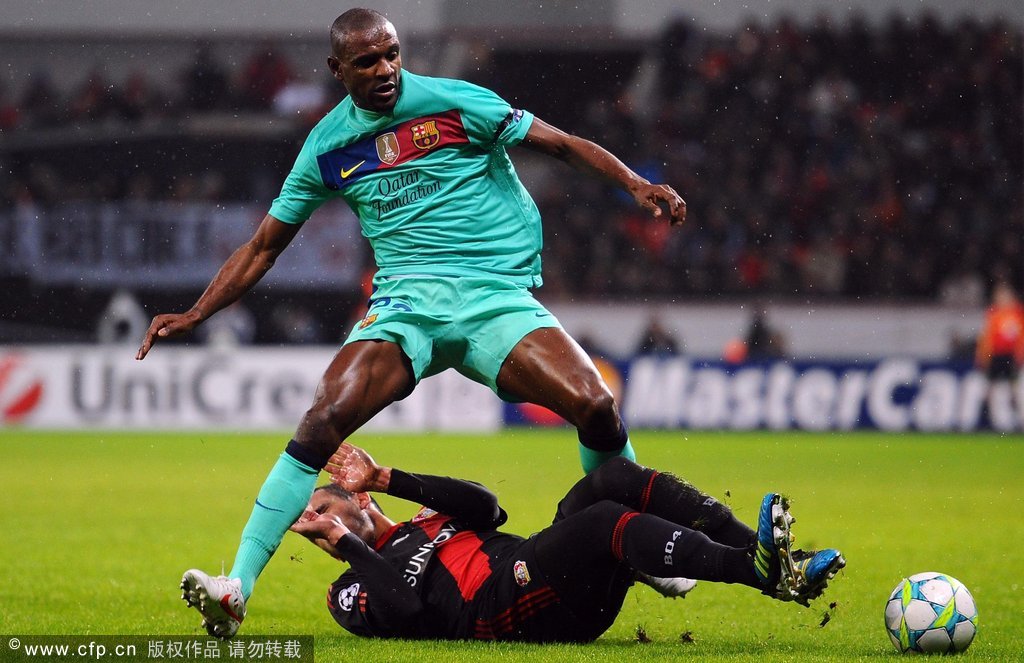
(549,368)
(584,555)
(362,379)
(660,494)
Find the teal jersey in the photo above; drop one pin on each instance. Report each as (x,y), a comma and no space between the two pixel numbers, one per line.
(431,183)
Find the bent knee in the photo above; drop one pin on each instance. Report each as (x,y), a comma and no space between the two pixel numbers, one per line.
(595,407)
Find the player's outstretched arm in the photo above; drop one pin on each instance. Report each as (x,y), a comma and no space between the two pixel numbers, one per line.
(240,272)
(354,470)
(589,157)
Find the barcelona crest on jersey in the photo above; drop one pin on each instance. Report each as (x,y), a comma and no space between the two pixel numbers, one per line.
(425,135)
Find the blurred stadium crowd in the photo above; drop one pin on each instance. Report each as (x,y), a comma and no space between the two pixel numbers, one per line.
(844,160)
(828,160)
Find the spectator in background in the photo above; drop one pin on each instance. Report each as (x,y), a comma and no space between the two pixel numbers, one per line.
(205,82)
(295,324)
(41,103)
(964,288)
(94,100)
(657,340)
(762,341)
(138,100)
(593,347)
(266,73)
(10,116)
(233,326)
(123,319)
(961,347)
(1000,350)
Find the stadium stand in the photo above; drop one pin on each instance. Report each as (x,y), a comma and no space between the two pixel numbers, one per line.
(852,161)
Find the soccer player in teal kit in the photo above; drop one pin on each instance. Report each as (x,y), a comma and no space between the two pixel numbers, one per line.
(457,242)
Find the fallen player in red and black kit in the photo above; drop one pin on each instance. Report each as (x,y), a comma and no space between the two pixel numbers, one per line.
(448,574)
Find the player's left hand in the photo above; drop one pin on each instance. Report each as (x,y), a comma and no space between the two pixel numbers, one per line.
(649,196)
(319,528)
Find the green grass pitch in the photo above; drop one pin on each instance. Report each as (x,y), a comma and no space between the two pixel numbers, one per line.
(96,528)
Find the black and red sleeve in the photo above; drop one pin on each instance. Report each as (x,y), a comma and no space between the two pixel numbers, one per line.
(467,501)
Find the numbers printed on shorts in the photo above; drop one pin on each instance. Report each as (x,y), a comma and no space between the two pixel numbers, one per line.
(374,309)
(387,302)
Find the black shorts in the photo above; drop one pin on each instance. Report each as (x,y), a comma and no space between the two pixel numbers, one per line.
(1002,368)
(524,605)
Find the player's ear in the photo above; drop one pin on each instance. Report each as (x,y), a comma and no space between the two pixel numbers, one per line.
(334,64)
(363,500)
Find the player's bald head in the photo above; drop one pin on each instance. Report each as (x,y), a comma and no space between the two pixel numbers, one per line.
(356,21)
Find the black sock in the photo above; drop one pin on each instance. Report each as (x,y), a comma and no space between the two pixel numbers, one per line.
(664,549)
(612,442)
(315,458)
(678,501)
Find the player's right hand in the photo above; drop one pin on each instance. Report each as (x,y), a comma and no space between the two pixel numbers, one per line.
(165,325)
(355,470)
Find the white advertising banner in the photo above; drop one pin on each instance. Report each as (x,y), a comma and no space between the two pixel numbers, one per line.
(892,395)
(72,387)
(169,245)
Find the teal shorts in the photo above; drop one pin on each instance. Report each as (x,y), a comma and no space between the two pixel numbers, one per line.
(470,324)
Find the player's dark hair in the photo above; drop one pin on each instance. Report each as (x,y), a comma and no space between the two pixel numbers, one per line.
(335,490)
(354,20)
(338,491)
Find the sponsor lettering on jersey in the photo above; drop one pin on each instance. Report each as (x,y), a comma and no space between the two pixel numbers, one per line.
(409,195)
(417,564)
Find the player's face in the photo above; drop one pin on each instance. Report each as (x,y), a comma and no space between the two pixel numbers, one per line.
(325,503)
(370,65)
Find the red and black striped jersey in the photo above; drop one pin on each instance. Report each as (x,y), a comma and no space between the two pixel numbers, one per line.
(445,574)
(448,571)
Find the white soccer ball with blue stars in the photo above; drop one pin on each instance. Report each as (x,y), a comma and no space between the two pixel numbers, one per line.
(931,613)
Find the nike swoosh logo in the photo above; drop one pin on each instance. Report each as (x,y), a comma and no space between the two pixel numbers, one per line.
(225,604)
(399,540)
(539,315)
(268,508)
(346,173)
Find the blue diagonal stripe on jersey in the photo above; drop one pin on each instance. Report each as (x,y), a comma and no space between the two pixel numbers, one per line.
(347,158)
(338,168)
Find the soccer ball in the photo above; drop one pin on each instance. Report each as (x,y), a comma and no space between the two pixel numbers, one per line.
(931,613)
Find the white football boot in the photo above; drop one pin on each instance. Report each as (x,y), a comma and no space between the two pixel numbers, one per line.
(668,587)
(219,600)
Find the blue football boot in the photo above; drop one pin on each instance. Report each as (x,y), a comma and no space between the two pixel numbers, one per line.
(814,568)
(773,561)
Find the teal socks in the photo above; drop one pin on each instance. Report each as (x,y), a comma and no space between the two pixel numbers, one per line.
(281,500)
(591,459)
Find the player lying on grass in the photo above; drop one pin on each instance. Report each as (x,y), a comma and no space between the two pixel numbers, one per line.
(449,574)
